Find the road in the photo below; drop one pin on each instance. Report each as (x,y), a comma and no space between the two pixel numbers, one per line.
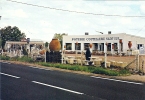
(22,82)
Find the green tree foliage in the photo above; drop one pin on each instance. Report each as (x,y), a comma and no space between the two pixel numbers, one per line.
(60,37)
(11,34)
(46,44)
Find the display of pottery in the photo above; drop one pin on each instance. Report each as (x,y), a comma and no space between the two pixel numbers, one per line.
(54,45)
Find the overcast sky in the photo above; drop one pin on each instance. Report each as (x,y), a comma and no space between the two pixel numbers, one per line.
(43,23)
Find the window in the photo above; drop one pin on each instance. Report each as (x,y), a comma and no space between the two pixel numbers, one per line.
(140,45)
(68,46)
(96,46)
(101,46)
(109,47)
(78,46)
(86,45)
(115,47)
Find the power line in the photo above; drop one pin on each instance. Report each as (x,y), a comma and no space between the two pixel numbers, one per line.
(71,10)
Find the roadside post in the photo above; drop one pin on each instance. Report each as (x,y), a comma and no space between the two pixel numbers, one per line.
(106,54)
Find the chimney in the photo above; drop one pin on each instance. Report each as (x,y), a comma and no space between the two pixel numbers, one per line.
(109,32)
(86,33)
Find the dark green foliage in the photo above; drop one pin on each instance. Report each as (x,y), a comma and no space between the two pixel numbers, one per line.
(46,44)
(11,34)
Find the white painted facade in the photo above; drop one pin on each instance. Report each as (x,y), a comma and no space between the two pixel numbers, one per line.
(98,42)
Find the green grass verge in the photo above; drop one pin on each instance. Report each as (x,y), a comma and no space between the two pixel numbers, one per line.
(90,69)
(23,59)
(4,57)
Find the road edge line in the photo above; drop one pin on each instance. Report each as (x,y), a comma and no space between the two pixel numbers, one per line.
(117,80)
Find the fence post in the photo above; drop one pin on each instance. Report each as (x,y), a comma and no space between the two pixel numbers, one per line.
(143,69)
(45,56)
(137,62)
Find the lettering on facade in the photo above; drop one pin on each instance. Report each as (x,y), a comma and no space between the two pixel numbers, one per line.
(95,39)
(78,39)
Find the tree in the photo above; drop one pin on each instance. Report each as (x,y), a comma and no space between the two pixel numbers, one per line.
(11,34)
(60,37)
(46,44)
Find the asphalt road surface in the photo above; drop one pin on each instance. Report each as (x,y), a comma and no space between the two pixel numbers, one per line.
(21,82)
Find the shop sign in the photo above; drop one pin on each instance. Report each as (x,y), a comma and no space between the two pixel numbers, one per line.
(95,39)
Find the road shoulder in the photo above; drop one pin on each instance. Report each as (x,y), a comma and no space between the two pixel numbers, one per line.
(134,78)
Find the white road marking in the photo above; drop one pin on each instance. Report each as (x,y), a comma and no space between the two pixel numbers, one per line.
(117,80)
(57,87)
(39,68)
(6,62)
(9,75)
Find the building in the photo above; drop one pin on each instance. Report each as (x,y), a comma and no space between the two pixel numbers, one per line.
(15,45)
(114,44)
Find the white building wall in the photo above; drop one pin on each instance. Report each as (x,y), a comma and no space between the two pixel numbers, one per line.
(109,38)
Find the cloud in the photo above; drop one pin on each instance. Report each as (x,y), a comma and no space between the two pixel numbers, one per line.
(16,13)
(44,23)
(123,3)
(142,7)
(125,21)
(85,23)
(20,13)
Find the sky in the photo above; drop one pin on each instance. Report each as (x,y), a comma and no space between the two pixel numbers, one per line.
(41,22)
